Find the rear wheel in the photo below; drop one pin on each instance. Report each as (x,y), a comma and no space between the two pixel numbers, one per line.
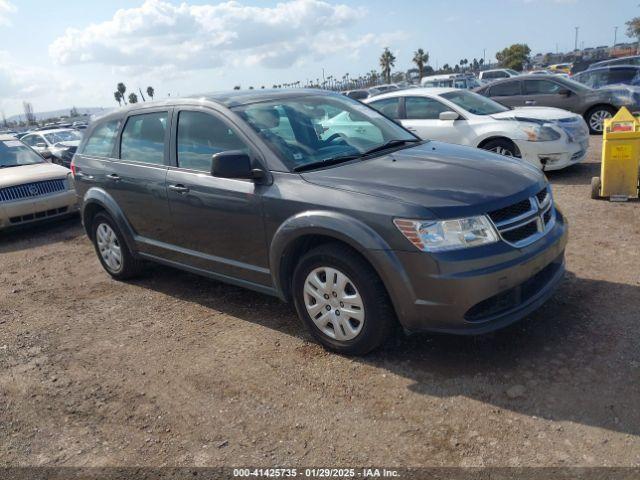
(502,147)
(113,253)
(596,117)
(341,300)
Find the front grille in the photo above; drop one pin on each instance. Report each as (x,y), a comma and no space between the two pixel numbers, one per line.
(511,211)
(521,233)
(525,221)
(30,217)
(30,190)
(575,128)
(514,297)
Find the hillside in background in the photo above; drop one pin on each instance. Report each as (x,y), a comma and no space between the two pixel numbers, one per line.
(58,113)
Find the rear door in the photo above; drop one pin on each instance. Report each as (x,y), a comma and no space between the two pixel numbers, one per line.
(136,179)
(217,223)
(546,93)
(508,93)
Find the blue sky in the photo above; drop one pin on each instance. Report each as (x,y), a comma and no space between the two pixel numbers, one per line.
(72,52)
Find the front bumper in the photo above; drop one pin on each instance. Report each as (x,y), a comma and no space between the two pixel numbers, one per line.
(553,155)
(35,209)
(477,290)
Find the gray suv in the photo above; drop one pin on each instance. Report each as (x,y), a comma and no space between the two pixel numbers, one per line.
(319,200)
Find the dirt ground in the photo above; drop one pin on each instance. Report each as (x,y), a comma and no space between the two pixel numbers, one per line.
(173,369)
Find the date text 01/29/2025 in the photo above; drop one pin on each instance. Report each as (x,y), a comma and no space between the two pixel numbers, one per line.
(315,472)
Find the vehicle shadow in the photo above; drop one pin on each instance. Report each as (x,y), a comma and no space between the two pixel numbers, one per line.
(579,174)
(572,360)
(38,234)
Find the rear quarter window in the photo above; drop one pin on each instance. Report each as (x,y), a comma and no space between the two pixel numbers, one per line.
(102,140)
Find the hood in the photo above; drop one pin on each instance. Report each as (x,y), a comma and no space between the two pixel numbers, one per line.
(31,173)
(449,180)
(534,113)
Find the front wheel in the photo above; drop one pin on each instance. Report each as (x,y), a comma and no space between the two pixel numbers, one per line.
(341,300)
(502,147)
(596,117)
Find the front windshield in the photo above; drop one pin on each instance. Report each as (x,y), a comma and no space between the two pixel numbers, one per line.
(62,136)
(474,103)
(14,153)
(311,129)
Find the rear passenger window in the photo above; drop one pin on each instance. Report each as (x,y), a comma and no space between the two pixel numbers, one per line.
(541,87)
(506,89)
(143,138)
(422,108)
(200,136)
(102,140)
(387,106)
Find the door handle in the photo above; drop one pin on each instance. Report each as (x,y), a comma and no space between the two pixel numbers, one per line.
(114,176)
(178,188)
(529,102)
(411,129)
(359,130)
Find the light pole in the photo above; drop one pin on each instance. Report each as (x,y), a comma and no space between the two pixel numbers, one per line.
(615,35)
(576,43)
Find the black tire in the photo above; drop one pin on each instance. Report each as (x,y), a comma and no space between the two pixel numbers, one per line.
(595,188)
(379,316)
(129,265)
(598,110)
(502,147)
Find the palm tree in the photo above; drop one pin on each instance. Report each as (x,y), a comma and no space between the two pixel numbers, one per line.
(420,58)
(387,60)
(150,92)
(133,98)
(118,97)
(122,88)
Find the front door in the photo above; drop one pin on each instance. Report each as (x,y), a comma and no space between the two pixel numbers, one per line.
(217,222)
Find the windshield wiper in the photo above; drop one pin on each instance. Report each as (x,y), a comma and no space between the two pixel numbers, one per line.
(346,158)
(327,162)
(389,144)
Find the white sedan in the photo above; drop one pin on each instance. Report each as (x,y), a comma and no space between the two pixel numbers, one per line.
(549,138)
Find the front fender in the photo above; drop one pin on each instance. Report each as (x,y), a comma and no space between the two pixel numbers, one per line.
(344,228)
(97,197)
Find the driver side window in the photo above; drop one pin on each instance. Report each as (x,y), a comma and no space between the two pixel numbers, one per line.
(202,135)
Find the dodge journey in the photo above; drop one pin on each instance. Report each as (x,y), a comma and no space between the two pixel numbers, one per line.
(322,201)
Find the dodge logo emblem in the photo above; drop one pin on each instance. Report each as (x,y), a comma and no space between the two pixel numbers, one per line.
(33,190)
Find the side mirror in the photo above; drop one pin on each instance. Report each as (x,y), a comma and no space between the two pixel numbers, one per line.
(234,164)
(448,115)
(564,92)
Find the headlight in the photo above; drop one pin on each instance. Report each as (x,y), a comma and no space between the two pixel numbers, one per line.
(437,236)
(540,133)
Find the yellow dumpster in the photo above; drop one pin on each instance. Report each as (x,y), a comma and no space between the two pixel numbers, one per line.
(618,180)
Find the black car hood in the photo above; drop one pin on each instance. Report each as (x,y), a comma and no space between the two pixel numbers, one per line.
(446,179)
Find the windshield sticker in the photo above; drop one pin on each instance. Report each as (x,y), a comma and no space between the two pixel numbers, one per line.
(12,143)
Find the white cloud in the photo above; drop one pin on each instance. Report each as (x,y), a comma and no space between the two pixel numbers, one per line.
(20,82)
(160,35)
(6,9)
